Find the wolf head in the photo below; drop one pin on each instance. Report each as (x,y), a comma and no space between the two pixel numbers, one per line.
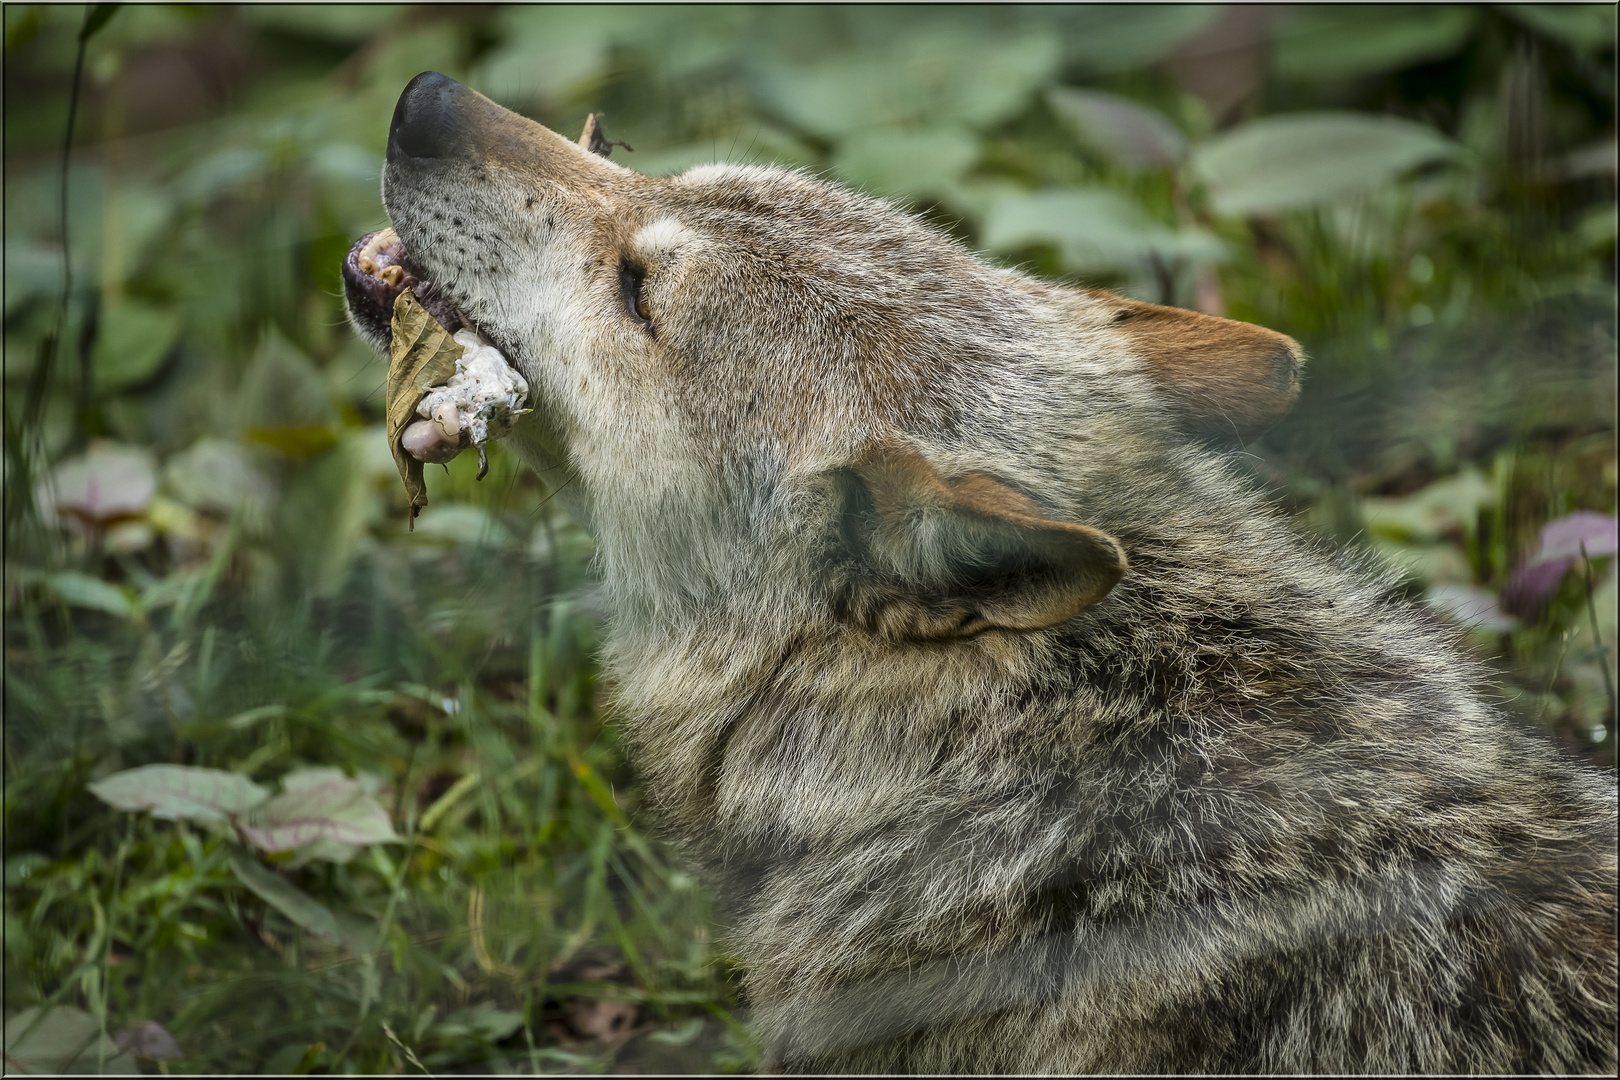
(763,391)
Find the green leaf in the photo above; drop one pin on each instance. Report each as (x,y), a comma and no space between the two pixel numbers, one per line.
(482,1022)
(284,896)
(64,1040)
(1586,26)
(1346,41)
(1453,503)
(919,162)
(546,51)
(97,17)
(679,1036)
(938,75)
(1106,38)
(82,590)
(32,269)
(337,22)
(132,341)
(1300,159)
(219,475)
(1092,228)
(461,523)
(1121,129)
(180,792)
(319,805)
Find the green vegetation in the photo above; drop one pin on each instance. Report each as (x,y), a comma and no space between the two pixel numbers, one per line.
(206,560)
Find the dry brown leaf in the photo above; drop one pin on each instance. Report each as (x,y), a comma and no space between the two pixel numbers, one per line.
(422,354)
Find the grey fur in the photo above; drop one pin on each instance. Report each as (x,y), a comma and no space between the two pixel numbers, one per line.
(1246,812)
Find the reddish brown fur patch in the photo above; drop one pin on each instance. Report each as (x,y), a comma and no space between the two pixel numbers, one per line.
(1232,379)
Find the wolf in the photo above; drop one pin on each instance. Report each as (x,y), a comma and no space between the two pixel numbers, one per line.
(1011,728)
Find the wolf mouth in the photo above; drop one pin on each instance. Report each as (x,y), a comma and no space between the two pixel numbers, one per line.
(376,270)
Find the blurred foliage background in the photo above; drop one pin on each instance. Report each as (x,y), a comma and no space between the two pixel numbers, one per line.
(206,561)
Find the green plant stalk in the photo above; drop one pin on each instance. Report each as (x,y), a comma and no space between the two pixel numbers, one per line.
(106,946)
(1597,638)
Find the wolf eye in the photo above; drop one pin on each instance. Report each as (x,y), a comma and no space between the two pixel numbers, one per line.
(630,279)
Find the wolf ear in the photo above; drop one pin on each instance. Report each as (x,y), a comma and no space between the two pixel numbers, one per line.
(594,139)
(958,557)
(1231,380)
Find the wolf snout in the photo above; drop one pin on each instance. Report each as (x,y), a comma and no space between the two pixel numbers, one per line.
(426,120)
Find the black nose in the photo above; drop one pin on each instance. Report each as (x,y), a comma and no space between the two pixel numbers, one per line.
(424,124)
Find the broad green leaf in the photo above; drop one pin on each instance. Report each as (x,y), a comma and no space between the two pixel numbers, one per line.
(180,791)
(347,164)
(132,341)
(32,269)
(941,74)
(221,171)
(64,1040)
(299,779)
(919,162)
(82,590)
(461,523)
(325,850)
(323,804)
(285,403)
(1300,159)
(1598,227)
(546,51)
(1424,516)
(1093,229)
(218,475)
(110,481)
(483,1022)
(1105,38)
(1126,131)
(284,896)
(1586,26)
(1332,41)
(339,22)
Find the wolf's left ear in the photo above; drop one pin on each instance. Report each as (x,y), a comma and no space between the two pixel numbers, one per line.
(594,139)
(1230,380)
(957,557)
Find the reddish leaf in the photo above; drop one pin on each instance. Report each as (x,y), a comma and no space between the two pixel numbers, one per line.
(1531,585)
(1565,537)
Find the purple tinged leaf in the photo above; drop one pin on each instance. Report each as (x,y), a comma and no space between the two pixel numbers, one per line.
(332,807)
(147,1039)
(1533,582)
(1531,585)
(180,791)
(111,481)
(1565,537)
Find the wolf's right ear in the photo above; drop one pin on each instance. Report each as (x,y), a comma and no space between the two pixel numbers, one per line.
(1230,380)
(954,558)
